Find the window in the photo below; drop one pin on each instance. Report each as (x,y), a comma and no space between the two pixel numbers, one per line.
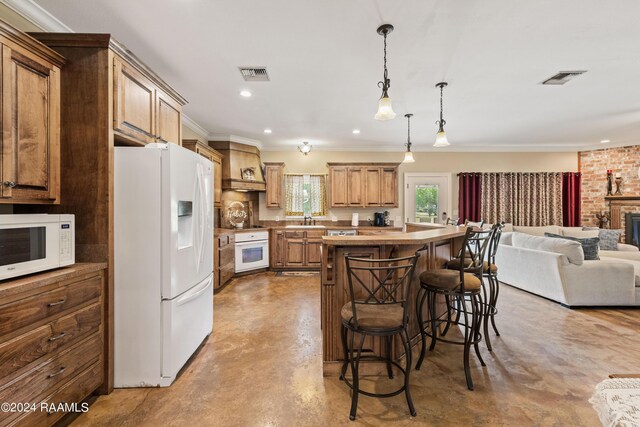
(306,195)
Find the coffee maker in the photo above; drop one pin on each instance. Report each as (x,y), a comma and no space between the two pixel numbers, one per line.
(379,219)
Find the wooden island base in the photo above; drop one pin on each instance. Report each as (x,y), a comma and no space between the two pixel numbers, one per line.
(436,246)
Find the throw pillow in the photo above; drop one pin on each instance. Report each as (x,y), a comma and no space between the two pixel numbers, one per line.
(589,245)
(572,250)
(609,239)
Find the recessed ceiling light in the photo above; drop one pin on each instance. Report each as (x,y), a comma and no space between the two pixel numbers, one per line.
(245,93)
(355,131)
(604,141)
(267,131)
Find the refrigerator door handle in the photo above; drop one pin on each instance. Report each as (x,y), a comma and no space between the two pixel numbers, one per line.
(194,293)
(203,213)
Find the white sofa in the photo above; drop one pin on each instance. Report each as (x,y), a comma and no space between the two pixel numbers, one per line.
(610,281)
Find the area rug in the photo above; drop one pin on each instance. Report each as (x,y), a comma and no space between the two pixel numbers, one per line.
(617,402)
(298,273)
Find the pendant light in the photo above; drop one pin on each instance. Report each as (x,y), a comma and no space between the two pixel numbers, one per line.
(408,155)
(441,136)
(385,110)
(305,148)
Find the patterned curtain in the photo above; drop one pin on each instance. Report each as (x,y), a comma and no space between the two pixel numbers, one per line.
(529,199)
(294,195)
(318,194)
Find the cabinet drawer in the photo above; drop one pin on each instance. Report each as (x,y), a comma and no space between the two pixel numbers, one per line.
(74,391)
(43,380)
(226,274)
(294,234)
(226,239)
(28,348)
(28,311)
(314,234)
(227,255)
(232,239)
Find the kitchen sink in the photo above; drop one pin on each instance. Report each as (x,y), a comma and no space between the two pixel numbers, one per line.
(305,226)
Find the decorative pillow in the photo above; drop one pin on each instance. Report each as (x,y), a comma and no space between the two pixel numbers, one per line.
(572,250)
(609,239)
(589,245)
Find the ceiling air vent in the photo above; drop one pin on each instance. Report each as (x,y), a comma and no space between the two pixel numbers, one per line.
(254,74)
(562,77)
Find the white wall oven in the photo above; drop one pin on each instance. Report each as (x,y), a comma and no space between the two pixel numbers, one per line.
(35,242)
(252,251)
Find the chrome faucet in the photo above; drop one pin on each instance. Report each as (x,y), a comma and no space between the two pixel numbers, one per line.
(307,218)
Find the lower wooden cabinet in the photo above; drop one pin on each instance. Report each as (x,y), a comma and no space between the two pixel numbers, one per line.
(51,340)
(225,262)
(296,249)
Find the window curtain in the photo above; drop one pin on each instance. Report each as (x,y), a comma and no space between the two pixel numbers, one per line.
(529,199)
(318,195)
(571,183)
(469,200)
(294,195)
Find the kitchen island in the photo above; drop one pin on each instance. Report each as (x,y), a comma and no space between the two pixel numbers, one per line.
(436,245)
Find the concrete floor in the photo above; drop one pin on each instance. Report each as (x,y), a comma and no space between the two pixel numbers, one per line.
(262,366)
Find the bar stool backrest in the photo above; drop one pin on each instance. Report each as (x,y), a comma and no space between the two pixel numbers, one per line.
(478,224)
(380,281)
(451,221)
(473,251)
(493,244)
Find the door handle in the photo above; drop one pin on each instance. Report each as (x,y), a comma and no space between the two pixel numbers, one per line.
(53,304)
(57,337)
(55,374)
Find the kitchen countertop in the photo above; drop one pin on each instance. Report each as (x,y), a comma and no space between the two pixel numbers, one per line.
(414,238)
(336,227)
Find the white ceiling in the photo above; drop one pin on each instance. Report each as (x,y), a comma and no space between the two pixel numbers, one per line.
(325,59)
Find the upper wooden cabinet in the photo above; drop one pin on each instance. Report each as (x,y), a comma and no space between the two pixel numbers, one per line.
(30,93)
(363,184)
(142,111)
(274,175)
(216,158)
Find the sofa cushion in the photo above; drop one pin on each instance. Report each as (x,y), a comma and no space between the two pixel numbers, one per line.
(506,238)
(569,248)
(538,231)
(623,247)
(508,227)
(589,245)
(579,233)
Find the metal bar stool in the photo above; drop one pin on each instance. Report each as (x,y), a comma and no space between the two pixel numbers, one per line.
(378,289)
(491,273)
(490,286)
(463,286)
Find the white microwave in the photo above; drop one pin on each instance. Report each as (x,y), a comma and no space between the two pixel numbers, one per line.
(35,242)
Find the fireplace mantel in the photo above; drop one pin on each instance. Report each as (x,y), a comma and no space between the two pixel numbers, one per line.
(616,203)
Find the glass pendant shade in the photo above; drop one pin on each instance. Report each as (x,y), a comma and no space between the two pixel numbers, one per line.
(305,148)
(385,109)
(441,139)
(408,157)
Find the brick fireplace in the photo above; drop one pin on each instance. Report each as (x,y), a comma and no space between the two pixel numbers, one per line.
(625,215)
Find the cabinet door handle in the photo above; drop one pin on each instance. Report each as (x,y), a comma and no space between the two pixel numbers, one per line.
(55,374)
(10,184)
(57,337)
(53,304)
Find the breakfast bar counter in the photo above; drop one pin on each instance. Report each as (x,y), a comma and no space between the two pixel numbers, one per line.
(435,245)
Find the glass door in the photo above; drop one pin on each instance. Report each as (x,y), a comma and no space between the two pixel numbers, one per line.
(427,198)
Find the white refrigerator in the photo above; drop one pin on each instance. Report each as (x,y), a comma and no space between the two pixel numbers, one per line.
(163,281)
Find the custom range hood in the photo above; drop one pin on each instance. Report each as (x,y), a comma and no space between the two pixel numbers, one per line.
(241,166)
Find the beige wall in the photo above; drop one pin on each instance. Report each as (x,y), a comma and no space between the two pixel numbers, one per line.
(316,162)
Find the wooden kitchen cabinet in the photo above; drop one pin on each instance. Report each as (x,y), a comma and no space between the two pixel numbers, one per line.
(296,249)
(225,262)
(134,103)
(363,184)
(168,118)
(142,112)
(274,174)
(216,158)
(30,165)
(51,340)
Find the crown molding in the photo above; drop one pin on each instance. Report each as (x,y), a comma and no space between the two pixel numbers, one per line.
(236,138)
(195,127)
(431,150)
(37,15)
